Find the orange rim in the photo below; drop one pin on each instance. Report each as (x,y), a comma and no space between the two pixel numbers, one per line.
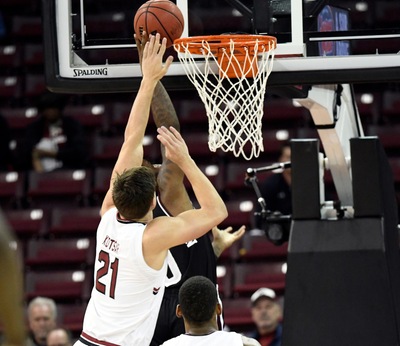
(195,43)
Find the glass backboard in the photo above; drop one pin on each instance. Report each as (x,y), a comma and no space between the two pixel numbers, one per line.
(89,44)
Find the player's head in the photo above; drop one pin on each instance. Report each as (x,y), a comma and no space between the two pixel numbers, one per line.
(134,191)
(198,301)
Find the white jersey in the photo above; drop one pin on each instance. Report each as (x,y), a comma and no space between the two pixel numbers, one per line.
(127,293)
(216,338)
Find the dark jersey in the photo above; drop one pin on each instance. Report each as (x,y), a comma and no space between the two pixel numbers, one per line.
(194,258)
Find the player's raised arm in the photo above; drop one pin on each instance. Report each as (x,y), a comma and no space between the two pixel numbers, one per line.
(131,153)
(190,224)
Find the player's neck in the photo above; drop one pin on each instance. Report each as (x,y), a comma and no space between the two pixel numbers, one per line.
(203,330)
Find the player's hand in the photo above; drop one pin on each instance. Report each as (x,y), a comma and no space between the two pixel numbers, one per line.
(176,149)
(225,238)
(152,60)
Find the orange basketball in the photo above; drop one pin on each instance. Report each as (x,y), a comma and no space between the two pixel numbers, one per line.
(159,16)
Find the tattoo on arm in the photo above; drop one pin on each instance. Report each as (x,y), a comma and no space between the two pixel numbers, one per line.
(162,108)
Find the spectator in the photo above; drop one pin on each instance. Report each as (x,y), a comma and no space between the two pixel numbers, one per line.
(42,317)
(11,290)
(59,337)
(53,141)
(267,316)
(5,152)
(276,189)
(199,308)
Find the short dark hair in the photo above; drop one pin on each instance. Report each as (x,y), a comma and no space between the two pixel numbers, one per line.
(198,299)
(133,192)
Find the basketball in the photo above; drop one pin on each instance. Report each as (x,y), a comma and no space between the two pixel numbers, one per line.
(159,16)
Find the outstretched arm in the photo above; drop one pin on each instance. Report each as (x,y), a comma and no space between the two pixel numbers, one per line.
(170,178)
(224,238)
(131,153)
(172,191)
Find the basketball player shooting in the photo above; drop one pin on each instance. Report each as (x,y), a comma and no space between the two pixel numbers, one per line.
(132,247)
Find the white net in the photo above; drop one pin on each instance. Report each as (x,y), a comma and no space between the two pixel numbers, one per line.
(233,101)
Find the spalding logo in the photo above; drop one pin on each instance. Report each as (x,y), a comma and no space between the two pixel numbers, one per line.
(78,72)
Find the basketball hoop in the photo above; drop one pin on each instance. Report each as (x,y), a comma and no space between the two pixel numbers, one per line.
(231,83)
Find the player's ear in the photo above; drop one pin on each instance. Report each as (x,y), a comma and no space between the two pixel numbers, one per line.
(218,309)
(178,311)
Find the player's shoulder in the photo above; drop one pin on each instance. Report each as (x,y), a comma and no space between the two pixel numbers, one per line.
(249,341)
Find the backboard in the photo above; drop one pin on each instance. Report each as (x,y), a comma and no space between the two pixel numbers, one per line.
(89,46)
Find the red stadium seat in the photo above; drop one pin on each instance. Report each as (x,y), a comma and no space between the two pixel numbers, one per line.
(257,247)
(388,135)
(248,277)
(33,55)
(28,222)
(237,314)
(77,253)
(71,316)
(24,27)
(74,222)
(101,184)
(62,286)
(235,186)
(64,187)
(282,113)
(240,212)
(106,149)
(10,88)
(11,189)
(35,85)
(92,117)
(10,56)
(19,118)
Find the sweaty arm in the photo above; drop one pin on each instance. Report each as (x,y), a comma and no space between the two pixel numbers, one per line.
(131,153)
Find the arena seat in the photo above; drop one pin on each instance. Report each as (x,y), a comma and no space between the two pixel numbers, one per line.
(66,187)
(71,317)
(18,118)
(257,247)
(237,314)
(10,88)
(105,149)
(249,276)
(62,286)
(33,55)
(10,57)
(92,116)
(388,135)
(28,223)
(35,85)
(60,254)
(24,27)
(240,212)
(74,222)
(11,189)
